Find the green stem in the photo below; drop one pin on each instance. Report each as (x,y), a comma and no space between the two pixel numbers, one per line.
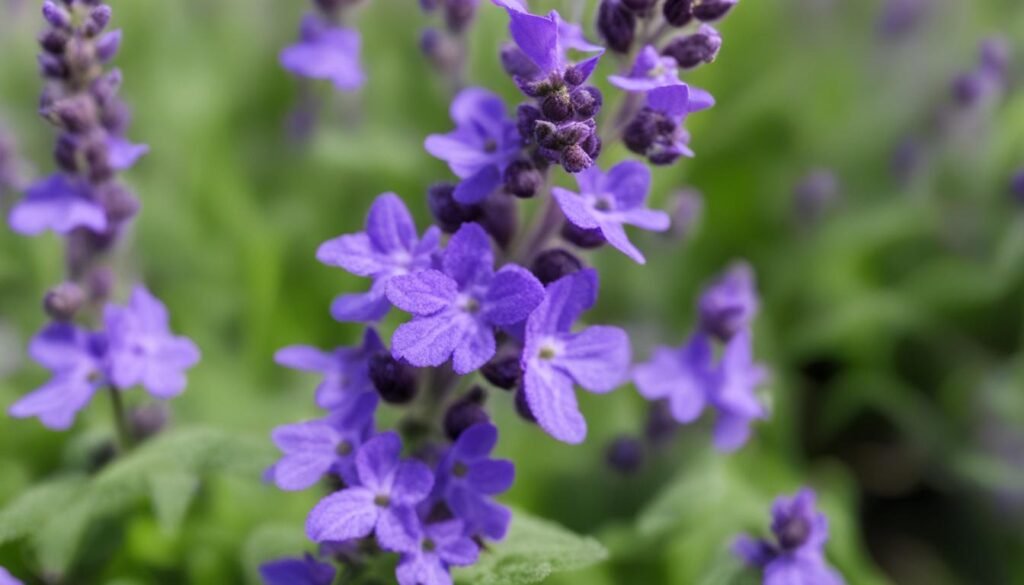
(124,439)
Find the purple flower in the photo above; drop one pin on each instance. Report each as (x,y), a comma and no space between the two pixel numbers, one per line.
(730,303)
(650,71)
(326,52)
(609,201)
(554,358)
(346,376)
(545,39)
(680,376)
(75,357)
(380,502)
(389,247)
(8,579)
(438,547)
(797,555)
(484,142)
(457,308)
(733,393)
(60,203)
(122,154)
(467,477)
(142,348)
(312,449)
(304,571)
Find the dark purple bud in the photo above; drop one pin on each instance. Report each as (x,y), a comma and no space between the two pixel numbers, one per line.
(586,101)
(815,194)
(711,10)
(97,159)
(575,159)
(526,119)
(968,88)
(395,381)
(582,238)
(515,62)
(664,157)
(55,15)
(792,532)
(642,131)
(504,372)
(548,156)
(691,50)
(53,40)
(444,53)
(557,107)
(592,145)
(147,421)
(678,12)
(550,265)
(465,412)
(661,425)
(77,113)
(906,159)
(574,76)
(99,18)
(523,407)
(65,152)
(119,203)
(100,283)
(428,5)
(1017,186)
(546,134)
(458,14)
(522,179)
(685,209)
(115,116)
(105,88)
(642,8)
(499,219)
(52,66)
(625,455)
(108,45)
(79,55)
(617,24)
(63,301)
(449,213)
(995,57)
(572,133)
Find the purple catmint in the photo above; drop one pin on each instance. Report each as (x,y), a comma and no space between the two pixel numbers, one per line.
(326,51)
(467,479)
(657,131)
(728,305)
(305,571)
(617,25)
(436,547)
(345,370)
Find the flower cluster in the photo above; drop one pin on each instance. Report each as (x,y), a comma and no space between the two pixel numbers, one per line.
(797,553)
(446,46)
(325,49)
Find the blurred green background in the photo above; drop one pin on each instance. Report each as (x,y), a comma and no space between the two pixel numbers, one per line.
(892,323)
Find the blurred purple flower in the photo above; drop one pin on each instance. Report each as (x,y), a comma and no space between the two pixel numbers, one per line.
(61,203)
(345,370)
(609,201)
(325,51)
(304,571)
(438,546)
(650,70)
(733,393)
(456,309)
(729,304)
(545,40)
(389,247)
(467,477)
(681,376)
(1017,186)
(555,359)
(657,131)
(7,579)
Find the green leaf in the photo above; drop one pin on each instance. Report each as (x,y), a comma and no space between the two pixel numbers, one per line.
(24,515)
(533,550)
(172,492)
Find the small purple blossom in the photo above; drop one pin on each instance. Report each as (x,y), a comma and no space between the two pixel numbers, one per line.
(657,131)
(142,349)
(730,303)
(797,554)
(651,70)
(680,376)
(389,247)
(61,203)
(315,448)
(381,502)
(555,359)
(733,393)
(546,39)
(7,579)
(485,141)
(456,309)
(304,571)
(438,546)
(326,51)
(467,477)
(609,201)
(345,370)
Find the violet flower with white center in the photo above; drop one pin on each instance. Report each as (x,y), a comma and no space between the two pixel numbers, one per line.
(796,555)
(314,448)
(733,393)
(680,376)
(467,478)
(326,51)
(304,571)
(485,141)
(555,359)
(76,358)
(609,201)
(142,349)
(345,370)
(381,502)
(389,247)
(729,304)
(7,579)
(439,546)
(457,308)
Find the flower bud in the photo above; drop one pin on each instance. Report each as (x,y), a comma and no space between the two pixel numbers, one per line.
(100,283)
(458,14)
(640,7)
(678,12)
(550,265)
(104,89)
(76,113)
(522,179)
(729,304)
(686,208)
(711,10)
(815,194)
(108,45)
(449,213)
(119,203)
(444,53)
(498,218)
(625,455)
(99,18)
(592,145)
(53,40)
(572,133)
(968,88)
(546,134)
(586,101)
(505,372)
(523,407)
(661,425)
(617,24)
(52,66)
(691,50)
(526,120)
(642,131)
(97,158)
(575,159)
(394,380)
(557,107)
(515,62)
(63,301)
(582,238)
(574,76)
(147,421)
(65,152)
(55,15)
(465,412)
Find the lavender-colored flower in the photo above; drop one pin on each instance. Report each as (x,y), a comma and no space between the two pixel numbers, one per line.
(75,357)
(650,70)
(695,49)
(11,165)
(685,209)
(315,448)
(729,304)
(609,201)
(545,39)
(467,477)
(657,131)
(7,579)
(681,376)
(457,308)
(733,393)
(325,51)
(438,546)
(797,554)
(61,203)
(485,141)
(555,359)
(304,571)
(815,194)
(1017,185)
(345,370)
(381,502)
(389,247)
(142,349)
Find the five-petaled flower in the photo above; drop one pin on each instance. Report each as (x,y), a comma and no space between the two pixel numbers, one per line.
(61,203)
(733,392)
(345,370)
(680,376)
(438,546)
(467,477)
(326,51)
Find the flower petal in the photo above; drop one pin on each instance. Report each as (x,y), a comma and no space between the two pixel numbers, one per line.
(343,515)
(616,236)
(430,341)
(352,252)
(398,529)
(390,226)
(469,258)
(369,306)
(492,476)
(413,482)
(575,208)
(550,395)
(475,443)
(59,204)
(377,461)
(476,348)
(305,358)
(57,402)
(514,293)
(478,186)
(564,301)
(422,293)
(537,36)
(629,182)
(597,358)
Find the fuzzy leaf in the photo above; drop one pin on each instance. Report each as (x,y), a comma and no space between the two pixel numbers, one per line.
(172,492)
(24,515)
